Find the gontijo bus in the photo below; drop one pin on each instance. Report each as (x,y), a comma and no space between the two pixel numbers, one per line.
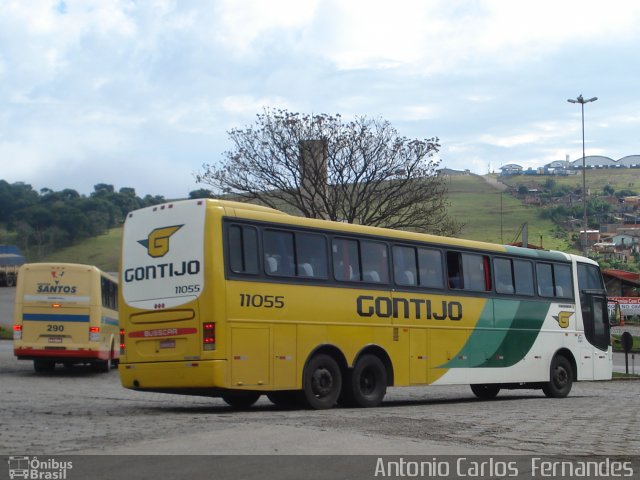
(236,300)
(66,313)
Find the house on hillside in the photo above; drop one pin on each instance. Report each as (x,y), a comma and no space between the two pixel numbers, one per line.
(510,169)
(558,167)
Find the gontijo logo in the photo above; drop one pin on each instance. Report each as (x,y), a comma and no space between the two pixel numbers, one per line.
(157,243)
(563,319)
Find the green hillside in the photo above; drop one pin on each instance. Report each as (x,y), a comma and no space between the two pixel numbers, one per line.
(477,205)
(102,251)
(474,203)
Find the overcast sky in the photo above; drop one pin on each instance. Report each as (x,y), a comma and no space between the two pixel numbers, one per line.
(142,93)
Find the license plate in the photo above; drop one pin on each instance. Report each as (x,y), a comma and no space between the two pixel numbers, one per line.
(55,339)
(170,343)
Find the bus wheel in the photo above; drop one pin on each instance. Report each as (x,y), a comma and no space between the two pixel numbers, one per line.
(286,398)
(368,382)
(561,378)
(44,366)
(485,391)
(241,400)
(101,366)
(322,382)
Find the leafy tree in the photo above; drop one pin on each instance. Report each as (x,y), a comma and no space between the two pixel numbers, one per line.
(200,193)
(360,171)
(41,222)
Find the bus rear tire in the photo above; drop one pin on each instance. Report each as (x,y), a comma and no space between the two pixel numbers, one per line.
(485,391)
(367,382)
(241,400)
(322,382)
(44,366)
(560,378)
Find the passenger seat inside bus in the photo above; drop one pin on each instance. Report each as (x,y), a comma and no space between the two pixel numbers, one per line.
(305,270)
(371,276)
(271,264)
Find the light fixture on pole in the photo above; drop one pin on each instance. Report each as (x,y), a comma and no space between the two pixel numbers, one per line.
(582,101)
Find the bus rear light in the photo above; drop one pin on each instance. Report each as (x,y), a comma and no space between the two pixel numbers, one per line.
(17,332)
(122,335)
(209,336)
(55,305)
(94,334)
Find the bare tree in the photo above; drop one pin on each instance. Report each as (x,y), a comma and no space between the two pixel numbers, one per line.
(359,172)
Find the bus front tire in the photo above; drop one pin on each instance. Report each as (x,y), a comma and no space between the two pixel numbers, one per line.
(366,385)
(241,400)
(322,382)
(560,378)
(485,391)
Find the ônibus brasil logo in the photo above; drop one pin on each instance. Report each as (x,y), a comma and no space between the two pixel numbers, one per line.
(157,243)
(32,468)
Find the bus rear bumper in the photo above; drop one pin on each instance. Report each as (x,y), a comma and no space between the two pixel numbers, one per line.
(30,353)
(196,377)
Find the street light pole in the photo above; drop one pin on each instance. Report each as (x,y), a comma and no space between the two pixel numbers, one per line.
(582,101)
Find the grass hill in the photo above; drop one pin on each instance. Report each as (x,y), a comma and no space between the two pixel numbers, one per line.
(474,202)
(492,216)
(102,251)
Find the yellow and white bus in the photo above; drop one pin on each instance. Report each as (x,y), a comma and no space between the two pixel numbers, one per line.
(235,300)
(66,313)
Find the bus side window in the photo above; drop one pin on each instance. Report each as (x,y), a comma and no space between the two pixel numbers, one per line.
(346,264)
(278,253)
(563,283)
(523,273)
(311,255)
(404,266)
(375,262)
(430,268)
(476,272)
(503,275)
(544,277)
(243,249)
(454,270)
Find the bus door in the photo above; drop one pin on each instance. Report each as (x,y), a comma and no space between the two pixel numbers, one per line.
(595,317)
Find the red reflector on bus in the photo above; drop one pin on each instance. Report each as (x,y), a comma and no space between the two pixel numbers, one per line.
(17,328)
(94,329)
(209,336)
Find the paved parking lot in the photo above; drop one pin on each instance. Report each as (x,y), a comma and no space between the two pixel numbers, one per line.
(82,412)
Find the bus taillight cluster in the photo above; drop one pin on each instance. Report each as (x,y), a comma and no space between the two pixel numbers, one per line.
(209,336)
(94,334)
(122,341)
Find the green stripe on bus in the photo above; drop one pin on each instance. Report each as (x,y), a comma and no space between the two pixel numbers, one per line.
(524,329)
(503,335)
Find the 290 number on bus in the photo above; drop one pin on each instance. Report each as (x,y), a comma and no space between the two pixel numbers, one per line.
(257,301)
